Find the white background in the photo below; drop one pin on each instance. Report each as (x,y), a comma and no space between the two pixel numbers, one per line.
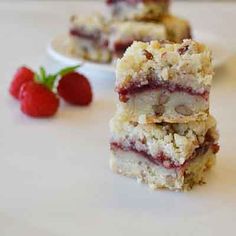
(54,175)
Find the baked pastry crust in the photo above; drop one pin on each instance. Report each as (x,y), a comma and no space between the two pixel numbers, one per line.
(188,64)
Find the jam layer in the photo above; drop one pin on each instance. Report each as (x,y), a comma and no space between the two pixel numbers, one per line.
(120,47)
(155,84)
(136,1)
(95,36)
(83,34)
(163,160)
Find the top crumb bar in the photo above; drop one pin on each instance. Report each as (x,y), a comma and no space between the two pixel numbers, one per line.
(182,72)
(187,64)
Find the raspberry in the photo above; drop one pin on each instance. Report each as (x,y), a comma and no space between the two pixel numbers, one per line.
(37,100)
(22,76)
(35,90)
(75,88)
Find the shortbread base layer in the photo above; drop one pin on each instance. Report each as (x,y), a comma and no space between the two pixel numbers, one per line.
(155,106)
(89,50)
(132,164)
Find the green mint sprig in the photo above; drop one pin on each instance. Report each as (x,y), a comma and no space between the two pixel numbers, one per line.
(48,80)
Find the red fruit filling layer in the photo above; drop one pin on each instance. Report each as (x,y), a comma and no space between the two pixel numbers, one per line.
(163,160)
(155,84)
(96,36)
(120,46)
(109,2)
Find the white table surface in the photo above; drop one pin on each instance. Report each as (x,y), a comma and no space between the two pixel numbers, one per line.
(54,175)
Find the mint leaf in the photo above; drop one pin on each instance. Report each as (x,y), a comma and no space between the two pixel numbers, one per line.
(37,78)
(67,70)
(42,73)
(48,80)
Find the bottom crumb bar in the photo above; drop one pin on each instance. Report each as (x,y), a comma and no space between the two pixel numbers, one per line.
(132,164)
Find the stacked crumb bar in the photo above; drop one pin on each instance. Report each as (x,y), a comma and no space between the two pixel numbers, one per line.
(162,132)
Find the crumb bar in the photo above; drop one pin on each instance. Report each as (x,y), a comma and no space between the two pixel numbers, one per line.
(89,38)
(165,82)
(168,144)
(173,156)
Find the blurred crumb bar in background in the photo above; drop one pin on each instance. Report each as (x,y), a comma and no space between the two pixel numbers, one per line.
(102,39)
(124,33)
(138,9)
(89,38)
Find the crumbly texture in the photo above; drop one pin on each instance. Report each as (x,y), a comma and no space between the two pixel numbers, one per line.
(146,11)
(177,28)
(91,23)
(129,31)
(188,64)
(134,165)
(89,50)
(155,106)
(176,141)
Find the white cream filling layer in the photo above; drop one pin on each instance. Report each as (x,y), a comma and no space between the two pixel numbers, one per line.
(174,107)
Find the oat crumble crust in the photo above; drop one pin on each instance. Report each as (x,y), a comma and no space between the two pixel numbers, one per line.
(188,64)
